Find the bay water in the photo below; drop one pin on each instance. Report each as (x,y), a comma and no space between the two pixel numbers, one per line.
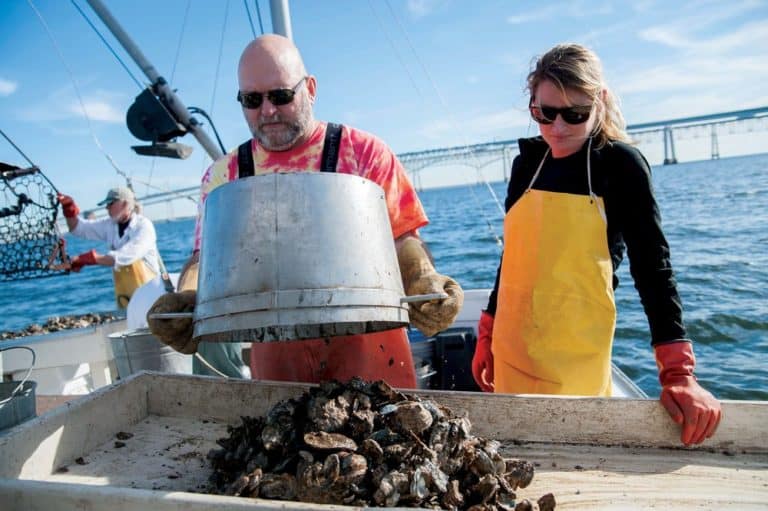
(715,216)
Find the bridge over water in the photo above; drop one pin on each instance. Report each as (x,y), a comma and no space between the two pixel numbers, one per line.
(482,155)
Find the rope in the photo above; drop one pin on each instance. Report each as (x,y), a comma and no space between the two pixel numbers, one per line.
(56,46)
(397,53)
(37,170)
(250,20)
(173,74)
(218,61)
(454,122)
(151,172)
(181,38)
(440,97)
(258,15)
(106,43)
(77,91)
(17,148)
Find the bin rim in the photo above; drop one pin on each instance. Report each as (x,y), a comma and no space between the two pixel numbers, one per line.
(134,332)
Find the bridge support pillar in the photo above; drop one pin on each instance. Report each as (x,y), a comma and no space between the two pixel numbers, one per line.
(715,146)
(669,147)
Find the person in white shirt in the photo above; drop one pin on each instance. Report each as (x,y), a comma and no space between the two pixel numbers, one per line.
(131,238)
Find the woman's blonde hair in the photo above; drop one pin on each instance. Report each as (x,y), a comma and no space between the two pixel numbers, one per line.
(573,66)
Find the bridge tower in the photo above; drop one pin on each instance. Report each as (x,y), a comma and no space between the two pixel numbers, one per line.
(506,163)
(669,147)
(715,146)
(417,180)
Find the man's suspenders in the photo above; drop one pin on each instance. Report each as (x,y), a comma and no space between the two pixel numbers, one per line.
(328,160)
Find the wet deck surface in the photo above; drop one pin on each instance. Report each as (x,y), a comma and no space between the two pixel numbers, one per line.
(168,453)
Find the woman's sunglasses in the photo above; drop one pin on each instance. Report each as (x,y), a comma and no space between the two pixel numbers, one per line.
(277,97)
(572,114)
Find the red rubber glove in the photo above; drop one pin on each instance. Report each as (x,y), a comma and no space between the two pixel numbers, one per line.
(685,400)
(84,259)
(68,206)
(482,361)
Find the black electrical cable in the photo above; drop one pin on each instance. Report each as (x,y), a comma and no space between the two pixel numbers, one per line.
(195,110)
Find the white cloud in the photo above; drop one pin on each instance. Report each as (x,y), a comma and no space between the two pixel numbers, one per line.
(693,74)
(532,15)
(352,117)
(61,105)
(7,87)
(681,32)
(420,8)
(568,9)
(665,35)
(482,127)
(747,36)
(98,110)
(643,6)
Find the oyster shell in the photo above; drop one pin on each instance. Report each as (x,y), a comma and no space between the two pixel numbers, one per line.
(322,441)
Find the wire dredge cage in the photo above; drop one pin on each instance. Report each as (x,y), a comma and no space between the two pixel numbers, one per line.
(30,244)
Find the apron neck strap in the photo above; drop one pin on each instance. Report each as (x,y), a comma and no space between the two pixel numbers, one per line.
(589,169)
(536,174)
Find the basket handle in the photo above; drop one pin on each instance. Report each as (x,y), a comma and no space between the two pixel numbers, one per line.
(20,386)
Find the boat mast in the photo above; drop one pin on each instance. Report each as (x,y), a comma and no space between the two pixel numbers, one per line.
(281,18)
(159,86)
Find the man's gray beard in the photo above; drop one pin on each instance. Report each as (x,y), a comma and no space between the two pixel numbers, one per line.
(278,141)
(287,139)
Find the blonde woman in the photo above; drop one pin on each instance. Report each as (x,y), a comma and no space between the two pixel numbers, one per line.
(577,195)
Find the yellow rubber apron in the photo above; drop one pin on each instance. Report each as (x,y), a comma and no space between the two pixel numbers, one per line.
(556,315)
(130,278)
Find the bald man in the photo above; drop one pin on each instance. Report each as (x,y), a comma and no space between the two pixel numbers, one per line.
(277,94)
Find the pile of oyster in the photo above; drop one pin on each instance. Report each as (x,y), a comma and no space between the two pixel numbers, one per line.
(57,323)
(366,444)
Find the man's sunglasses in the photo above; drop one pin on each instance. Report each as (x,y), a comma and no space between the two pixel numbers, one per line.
(277,97)
(572,114)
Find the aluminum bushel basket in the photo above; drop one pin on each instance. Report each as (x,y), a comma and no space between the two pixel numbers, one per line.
(17,398)
(17,403)
(297,256)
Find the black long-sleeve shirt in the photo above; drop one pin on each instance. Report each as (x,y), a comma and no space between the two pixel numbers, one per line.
(622,177)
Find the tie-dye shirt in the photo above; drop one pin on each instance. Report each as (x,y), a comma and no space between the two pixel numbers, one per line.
(360,154)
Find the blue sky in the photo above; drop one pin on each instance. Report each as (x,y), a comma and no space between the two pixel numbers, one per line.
(420,74)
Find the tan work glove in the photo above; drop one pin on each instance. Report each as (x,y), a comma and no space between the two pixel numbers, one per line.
(177,333)
(420,277)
